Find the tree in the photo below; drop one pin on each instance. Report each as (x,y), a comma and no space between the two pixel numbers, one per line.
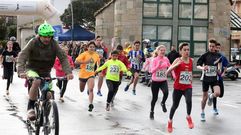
(3,28)
(83,11)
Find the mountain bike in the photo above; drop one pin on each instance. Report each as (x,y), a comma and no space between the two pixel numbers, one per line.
(46,110)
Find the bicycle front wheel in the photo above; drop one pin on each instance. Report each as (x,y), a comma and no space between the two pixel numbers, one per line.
(51,119)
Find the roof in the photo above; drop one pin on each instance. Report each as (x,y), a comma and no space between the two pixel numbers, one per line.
(103,8)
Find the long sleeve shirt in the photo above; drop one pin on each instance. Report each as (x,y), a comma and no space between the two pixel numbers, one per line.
(58,66)
(159,68)
(114,67)
(40,57)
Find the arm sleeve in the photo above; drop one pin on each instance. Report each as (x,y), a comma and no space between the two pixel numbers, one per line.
(200,60)
(23,56)
(63,59)
(123,67)
(154,66)
(143,57)
(224,61)
(80,58)
(71,62)
(103,66)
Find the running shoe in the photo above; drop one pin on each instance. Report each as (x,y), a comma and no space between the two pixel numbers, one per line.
(107,107)
(169,127)
(134,92)
(91,106)
(99,93)
(31,115)
(126,88)
(61,99)
(7,92)
(190,123)
(215,111)
(203,117)
(210,100)
(152,115)
(164,109)
(112,103)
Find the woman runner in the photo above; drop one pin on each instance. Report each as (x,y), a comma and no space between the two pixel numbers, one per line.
(182,84)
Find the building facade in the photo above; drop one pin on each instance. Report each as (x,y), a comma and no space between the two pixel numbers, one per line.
(169,22)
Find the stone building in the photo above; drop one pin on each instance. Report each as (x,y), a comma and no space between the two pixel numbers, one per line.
(169,22)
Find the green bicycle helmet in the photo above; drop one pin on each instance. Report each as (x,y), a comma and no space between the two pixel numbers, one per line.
(46,30)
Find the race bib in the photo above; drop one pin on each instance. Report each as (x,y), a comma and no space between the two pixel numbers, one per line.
(135,61)
(90,67)
(185,77)
(211,71)
(160,75)
(114,69)
(9,58)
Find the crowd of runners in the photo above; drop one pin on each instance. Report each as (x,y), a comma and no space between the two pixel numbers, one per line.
(94,60)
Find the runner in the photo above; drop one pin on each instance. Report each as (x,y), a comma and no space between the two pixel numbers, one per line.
(210,63)
(103,56)
(137,58)
(220,78)
(8,58)
(159,80)
(114,67)
(62,83)
(87,61)
(182,68)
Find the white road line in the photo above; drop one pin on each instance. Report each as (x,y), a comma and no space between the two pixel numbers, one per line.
(225,104)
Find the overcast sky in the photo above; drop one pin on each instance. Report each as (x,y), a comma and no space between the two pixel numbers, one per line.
(61,5)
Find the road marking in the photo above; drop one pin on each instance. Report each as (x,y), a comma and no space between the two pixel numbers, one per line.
(225,104)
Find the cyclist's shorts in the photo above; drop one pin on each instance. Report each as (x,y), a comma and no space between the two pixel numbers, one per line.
(31,73)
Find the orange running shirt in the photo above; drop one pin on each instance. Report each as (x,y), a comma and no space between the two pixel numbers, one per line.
(88,70)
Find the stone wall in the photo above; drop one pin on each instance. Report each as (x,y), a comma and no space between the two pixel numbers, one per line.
(105,24)
(122,20)
(219,23)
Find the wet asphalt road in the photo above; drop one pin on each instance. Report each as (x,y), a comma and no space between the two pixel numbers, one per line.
(130,114)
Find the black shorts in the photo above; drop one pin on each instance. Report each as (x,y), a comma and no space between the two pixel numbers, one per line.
(86,79)
(133,71)
(7,72)
(207,84)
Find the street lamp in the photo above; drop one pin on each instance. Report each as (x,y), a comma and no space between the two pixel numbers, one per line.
(72,18)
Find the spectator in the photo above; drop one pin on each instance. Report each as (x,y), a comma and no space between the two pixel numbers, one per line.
(173,54)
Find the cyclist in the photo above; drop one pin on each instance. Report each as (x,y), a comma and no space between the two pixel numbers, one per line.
(88,60)
(37,59)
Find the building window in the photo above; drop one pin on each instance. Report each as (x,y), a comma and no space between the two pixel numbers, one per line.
(185,11)
(165,10)
(199,48)
(201,1)
(200,33)
(149,32)
(184,33)
(164,32)
(165,0)
(189,1)
(150,0)
(201,12)
(150,10)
